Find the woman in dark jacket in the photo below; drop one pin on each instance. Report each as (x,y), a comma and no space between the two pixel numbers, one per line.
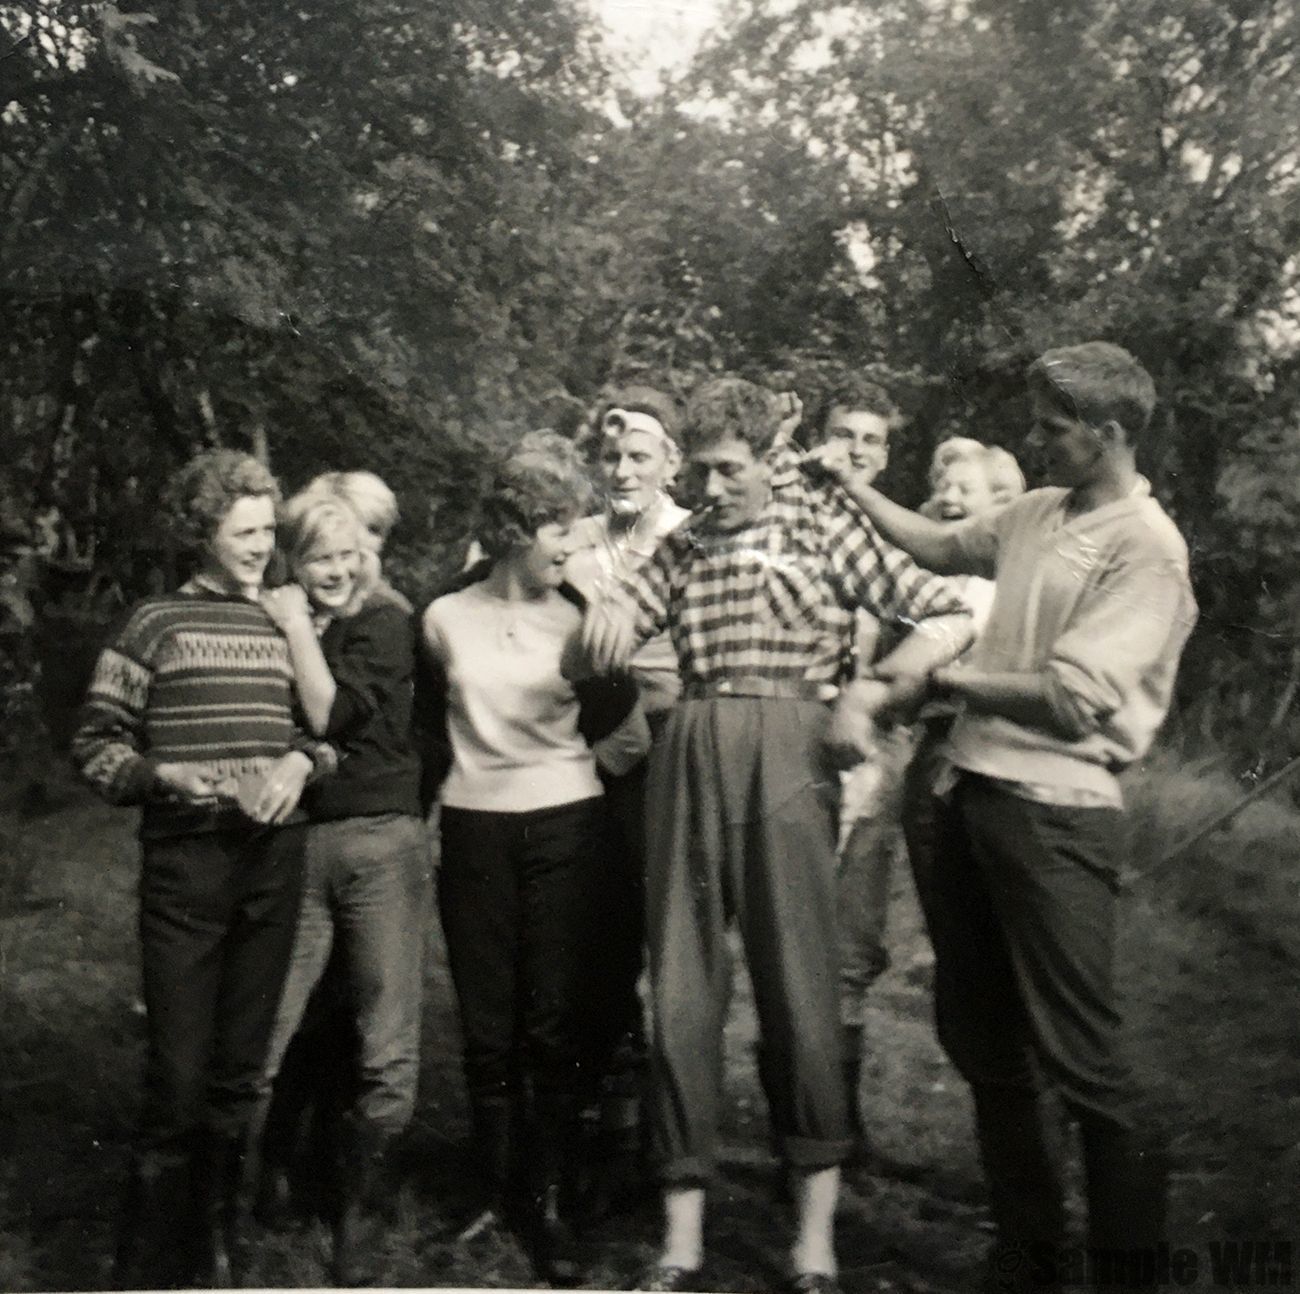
(367,853)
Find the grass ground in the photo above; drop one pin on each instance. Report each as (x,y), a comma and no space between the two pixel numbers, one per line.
(1216,1036)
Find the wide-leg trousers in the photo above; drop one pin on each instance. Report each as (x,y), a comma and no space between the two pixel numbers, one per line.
(741,823)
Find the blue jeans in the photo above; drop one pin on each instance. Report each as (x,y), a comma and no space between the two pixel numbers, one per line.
(364,888)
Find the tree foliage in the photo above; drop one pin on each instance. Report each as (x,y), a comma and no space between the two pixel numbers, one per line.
(393,234)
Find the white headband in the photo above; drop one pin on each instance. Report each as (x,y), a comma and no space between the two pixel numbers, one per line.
(617,421)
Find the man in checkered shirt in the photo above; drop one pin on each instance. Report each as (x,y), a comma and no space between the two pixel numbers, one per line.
(756,591)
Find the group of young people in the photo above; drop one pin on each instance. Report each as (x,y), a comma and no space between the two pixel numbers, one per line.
(635,721)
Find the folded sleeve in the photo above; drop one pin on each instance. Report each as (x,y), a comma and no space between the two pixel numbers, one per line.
(976,541)
(1131,623)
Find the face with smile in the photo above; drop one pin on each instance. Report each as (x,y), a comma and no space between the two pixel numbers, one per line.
(638,464)
(328,570)
(1072,452)
(237,554)
(864,437)
(540,565)
(962,491)
(733,483)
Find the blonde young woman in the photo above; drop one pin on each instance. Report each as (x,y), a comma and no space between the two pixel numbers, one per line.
(367,856)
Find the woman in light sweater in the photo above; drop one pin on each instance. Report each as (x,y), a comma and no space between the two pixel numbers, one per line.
(521,830)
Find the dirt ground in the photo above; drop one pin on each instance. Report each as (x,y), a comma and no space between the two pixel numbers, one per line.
(1220,1057)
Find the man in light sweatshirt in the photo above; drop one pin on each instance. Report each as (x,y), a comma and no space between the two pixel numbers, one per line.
(1067,686)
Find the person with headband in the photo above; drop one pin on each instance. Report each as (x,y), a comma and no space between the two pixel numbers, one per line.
(639,458)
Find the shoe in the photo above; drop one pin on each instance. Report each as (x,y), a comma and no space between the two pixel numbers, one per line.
(663,1276)
(359,1227)
(814,1283)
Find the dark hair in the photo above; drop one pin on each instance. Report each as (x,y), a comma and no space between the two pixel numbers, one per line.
(1096,382)
(730,408)
(852,391)
(207,487)
(541,481)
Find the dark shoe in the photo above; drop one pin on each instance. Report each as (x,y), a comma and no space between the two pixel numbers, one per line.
(358,1228)
(224,1190)
(157,1219)
(552,1240)
(274,1206)
(662,1276)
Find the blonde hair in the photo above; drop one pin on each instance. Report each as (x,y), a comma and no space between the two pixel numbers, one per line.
(307,519)
(1006,480)
(368,496)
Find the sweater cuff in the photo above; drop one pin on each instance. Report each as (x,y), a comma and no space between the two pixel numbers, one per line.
(324,758)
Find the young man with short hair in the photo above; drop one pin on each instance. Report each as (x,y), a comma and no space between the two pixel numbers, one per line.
(851,431)
(1068,685)
(742,795)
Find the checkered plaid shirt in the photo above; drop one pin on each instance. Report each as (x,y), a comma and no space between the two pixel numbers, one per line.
(774,598)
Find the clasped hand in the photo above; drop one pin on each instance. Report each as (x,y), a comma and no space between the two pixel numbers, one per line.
(267,797)
(865,705)
(603,645)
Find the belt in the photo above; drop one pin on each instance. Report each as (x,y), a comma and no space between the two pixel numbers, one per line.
(792,689)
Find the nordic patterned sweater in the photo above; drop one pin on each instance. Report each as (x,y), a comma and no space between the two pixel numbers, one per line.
(198,676)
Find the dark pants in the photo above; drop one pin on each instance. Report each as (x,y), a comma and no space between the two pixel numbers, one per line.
(217,917)
(741,818)
(617,1018)
(519,894)
(1023,906)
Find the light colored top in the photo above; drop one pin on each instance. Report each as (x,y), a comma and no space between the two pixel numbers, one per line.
(1101,603)
(603,558)
(511,717)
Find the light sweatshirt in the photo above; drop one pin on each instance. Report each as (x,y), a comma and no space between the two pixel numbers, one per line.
(1101,604)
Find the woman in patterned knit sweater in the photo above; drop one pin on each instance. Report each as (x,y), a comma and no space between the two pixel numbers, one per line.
(190,716)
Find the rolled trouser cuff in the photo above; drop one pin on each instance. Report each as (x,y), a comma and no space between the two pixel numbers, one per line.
(809,1154)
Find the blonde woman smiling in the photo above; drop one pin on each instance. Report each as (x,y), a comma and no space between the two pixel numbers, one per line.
(367,855)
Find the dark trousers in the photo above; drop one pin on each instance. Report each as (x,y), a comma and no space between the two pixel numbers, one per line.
(519,895)
(617,1025)
(217,917)
(741,810)
(1023,906)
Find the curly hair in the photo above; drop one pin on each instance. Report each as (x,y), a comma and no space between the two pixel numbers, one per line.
(1096,382)
(855,392)
(542,481)
(207,487)
(731,408)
